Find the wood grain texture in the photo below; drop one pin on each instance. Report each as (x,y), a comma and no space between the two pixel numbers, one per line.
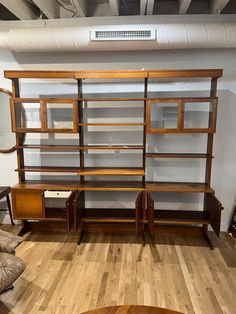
(38,74)
(27,204)
(111,74)
(87,171)
(112,172)
(86,186)
(116,74)
(178,187)
(131,309)
(177,155)
(179,273)
(185,73)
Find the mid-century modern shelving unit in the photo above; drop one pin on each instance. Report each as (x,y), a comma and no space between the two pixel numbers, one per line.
(158,115)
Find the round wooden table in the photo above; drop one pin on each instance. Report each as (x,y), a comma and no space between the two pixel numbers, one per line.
(131,309)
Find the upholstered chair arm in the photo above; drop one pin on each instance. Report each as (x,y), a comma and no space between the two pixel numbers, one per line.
(9,242)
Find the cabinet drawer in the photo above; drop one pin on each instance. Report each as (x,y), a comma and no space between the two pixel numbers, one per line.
(27,204)
(57,194)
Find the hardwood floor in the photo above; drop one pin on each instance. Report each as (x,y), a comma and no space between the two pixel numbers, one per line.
(180,273)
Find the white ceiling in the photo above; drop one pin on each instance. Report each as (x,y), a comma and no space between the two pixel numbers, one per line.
(56,9)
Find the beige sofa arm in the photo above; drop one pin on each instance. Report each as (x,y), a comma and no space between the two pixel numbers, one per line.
(9,242)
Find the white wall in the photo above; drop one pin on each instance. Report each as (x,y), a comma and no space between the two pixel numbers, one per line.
(224,166)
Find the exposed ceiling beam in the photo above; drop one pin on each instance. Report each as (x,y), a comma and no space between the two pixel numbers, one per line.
(183,6)
(218,5)
(49,7)
(81,7)
(143,5)
(21,9)
(115,5)
(150,7)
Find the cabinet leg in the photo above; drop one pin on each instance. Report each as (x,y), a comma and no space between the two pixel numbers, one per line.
(9,208)
(206,236)
(81,235)
(143,238)
(152,237)
(24,228)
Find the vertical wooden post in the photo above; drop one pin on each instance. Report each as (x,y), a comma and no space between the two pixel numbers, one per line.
(144,127)
(81,130)
(81,153)
(210,138)
(144,199)
(19,136)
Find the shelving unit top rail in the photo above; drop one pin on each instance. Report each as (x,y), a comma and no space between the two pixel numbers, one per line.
(214,73)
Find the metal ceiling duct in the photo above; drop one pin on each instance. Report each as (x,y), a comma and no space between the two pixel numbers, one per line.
(167,36)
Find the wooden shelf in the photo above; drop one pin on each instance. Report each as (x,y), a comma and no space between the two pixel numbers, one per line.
(112,99)
(216,73)
(55,214)
(181,217)
(107,147)
(86,186)
(112,186)
(50,147)
(45,100)
(39,74)
(94,185)
(109,220)
(111,124)
(177,155)
(77,148)
(48,169)
(178,187)
(88,171)
(109,215)
(109,212)
(109,74)
(112,172)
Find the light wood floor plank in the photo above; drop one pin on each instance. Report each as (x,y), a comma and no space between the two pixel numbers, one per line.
(177,272)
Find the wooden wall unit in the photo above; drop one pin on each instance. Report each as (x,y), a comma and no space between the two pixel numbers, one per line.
(186,115)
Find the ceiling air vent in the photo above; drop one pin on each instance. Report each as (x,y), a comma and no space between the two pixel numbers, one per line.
(111,35)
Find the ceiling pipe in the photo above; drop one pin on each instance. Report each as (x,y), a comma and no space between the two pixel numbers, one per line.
(168,36)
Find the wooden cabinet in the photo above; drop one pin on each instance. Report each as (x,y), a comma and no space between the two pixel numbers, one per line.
(181,115)
(40,205)
(211,215)
(123,127)
(45,115)
(27,204)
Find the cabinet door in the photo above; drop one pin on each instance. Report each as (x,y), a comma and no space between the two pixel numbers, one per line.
(139,206)
(26,116)
(78,206)
(163,116)
(27,204)
(61,115)
(181,115)
(150,213)
(70,211)
(214,208)
(199,116)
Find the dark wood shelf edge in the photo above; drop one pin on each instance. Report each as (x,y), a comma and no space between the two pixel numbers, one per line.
(78,148)
(177,155)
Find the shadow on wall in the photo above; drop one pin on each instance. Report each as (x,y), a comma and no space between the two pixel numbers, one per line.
(155,59)
(224,165)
